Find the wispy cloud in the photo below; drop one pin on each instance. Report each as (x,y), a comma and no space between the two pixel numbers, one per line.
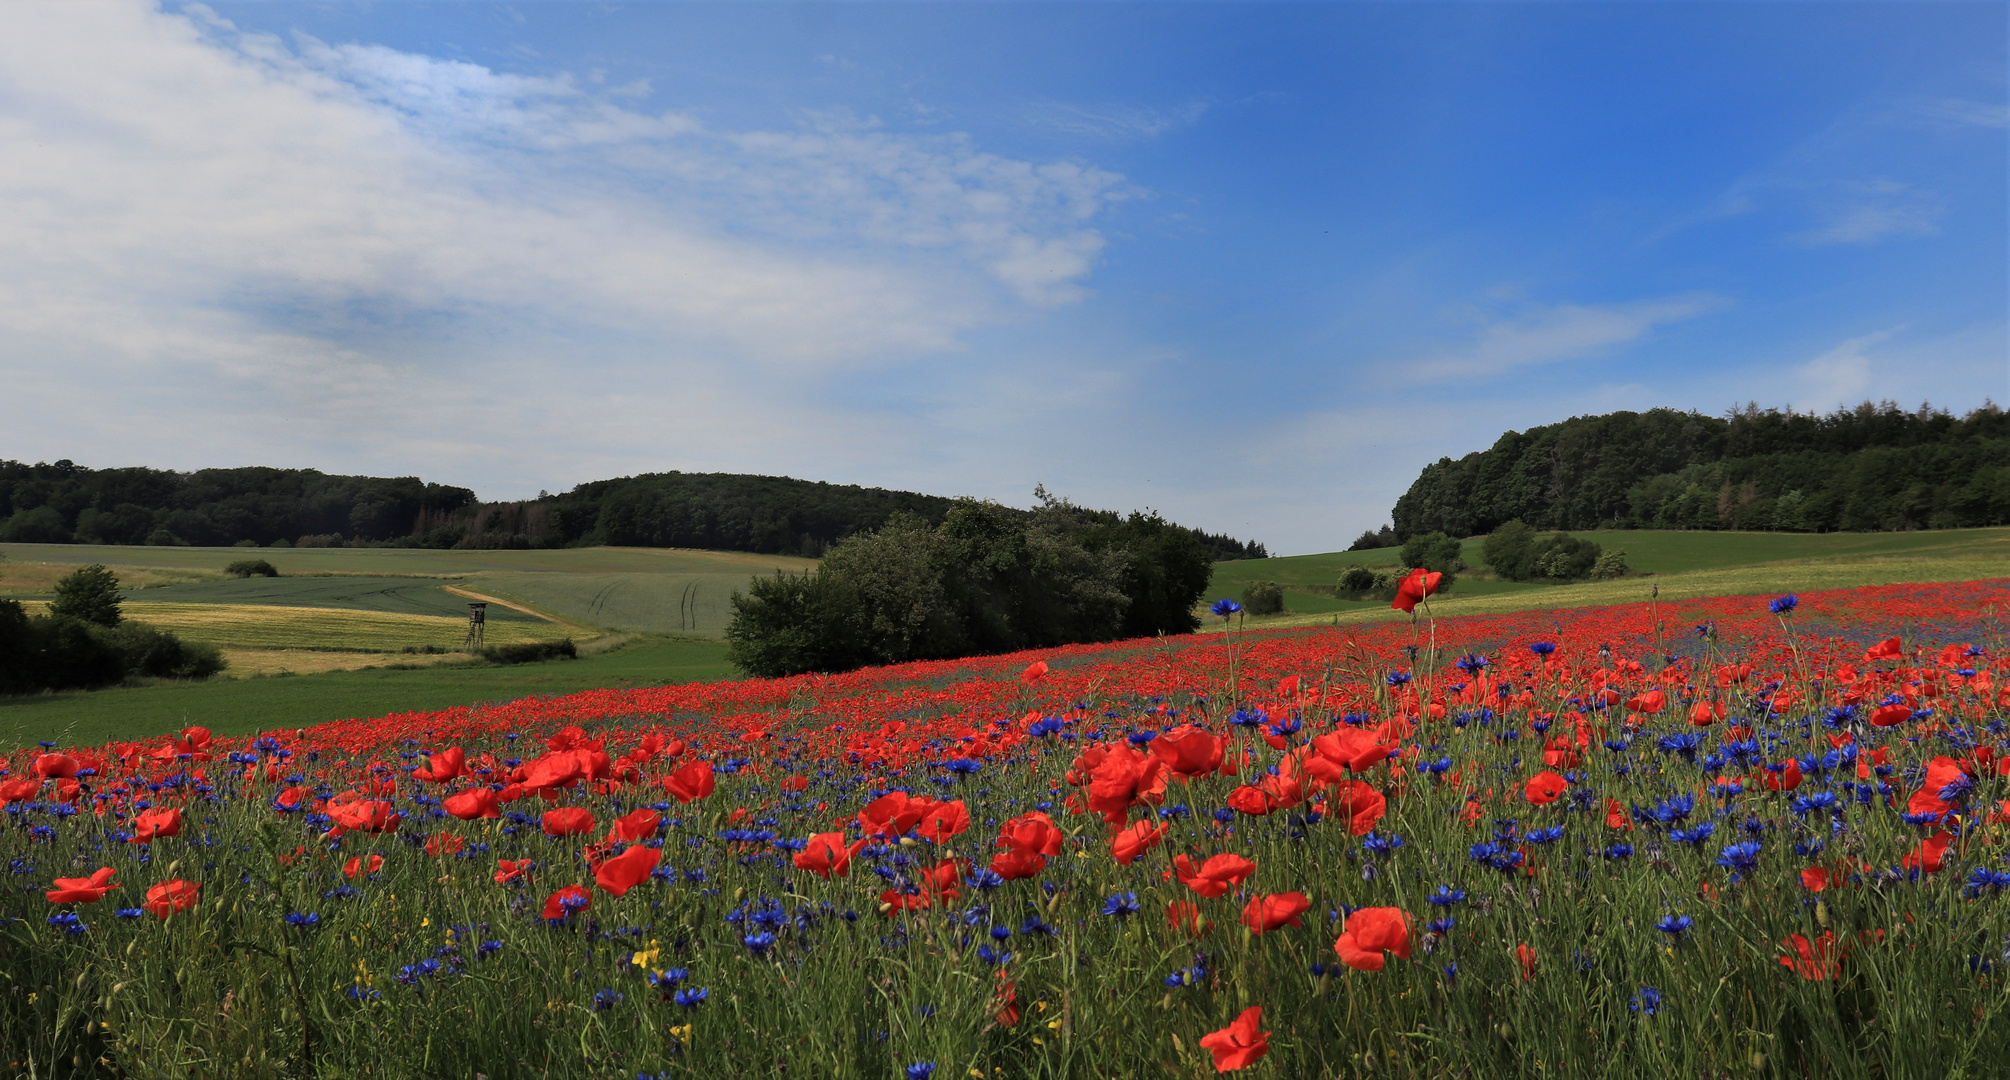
(1839,375)
(1868,211)
(1553,334)
(1119,123)
(232,244)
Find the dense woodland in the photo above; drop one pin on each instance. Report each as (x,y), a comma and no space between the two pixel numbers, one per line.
(1870,468)
(984,579)
(68,503)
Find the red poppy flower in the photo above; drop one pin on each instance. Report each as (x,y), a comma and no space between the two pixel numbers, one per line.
(443,766)
(1930,855)
(1417,585)
(628,869)
(1815,961)
(1184,916)
(1017,863)
(1890,715)
(52,766)
(1525,954)
(355,866)
(444,844)
(942,821)
(572,898)
(691,780)
(636,824)
(83,890)
(12,791)
(1369,933)
(508,870)
(568,821)
(1615,815)
(1134,841)
(1814,879)
(354,813)
(1034,672)
(1188,751)
(1034,833)
(478,802)
(1787,779)
(893,814)
(1360,803)
(1350,748)
(171,896)
(1705,713)
(826,854)
(1544,788)
(1240,1044)
(1650,702)
(1216,876)
(1123,779)
(150,825)
(1888,649)
(1266,913)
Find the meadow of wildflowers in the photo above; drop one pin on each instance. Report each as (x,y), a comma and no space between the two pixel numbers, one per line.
(1747,836)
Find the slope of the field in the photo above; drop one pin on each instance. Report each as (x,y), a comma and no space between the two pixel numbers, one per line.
(1678,563)
(649,590)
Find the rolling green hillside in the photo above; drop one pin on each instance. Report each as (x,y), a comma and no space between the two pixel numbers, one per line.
(1650,553)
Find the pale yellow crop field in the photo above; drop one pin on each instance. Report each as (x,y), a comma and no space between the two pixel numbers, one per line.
(259,626)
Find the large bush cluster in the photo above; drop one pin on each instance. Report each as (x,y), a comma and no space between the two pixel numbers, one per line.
(84,642)
(986,580)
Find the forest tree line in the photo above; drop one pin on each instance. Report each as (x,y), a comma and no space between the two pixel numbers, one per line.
(1870,468)
(64,503)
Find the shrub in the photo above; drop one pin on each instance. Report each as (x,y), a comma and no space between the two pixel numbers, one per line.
(1356,581)
(42,525)
(1509,550)
(1371,539)
(1435,552)
(1612,564)
(1263,598)
(1518,553)
(531,652)
(793,623)
(89,593)
(247,568)
(158,654)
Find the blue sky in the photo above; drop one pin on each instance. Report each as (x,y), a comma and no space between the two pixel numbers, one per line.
(1251,265)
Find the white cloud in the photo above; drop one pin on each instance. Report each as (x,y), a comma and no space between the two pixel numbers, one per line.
(1874,210)
(1551,335)
(1839,375)
(225,247)
(1123,123)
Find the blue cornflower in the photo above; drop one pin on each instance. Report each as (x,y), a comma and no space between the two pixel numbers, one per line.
(1675,925)
(1222,608)
(760,943)
(1441,926)
(68,922)
(303,921)
(1245,718)
(130,912)
(1471,664)
(1684,744)
(1542,648)
(1446,896)
(1618,851)
(605,999)
(1379,844)
(992,956)
(1396,678)
(1035,925)
(1695,835)
(1050,725)
(922,1070)
(1785,604)
(985,879)
(1647,1001)
(1545,836)
(691,998)
(1121,904)
(1741,857)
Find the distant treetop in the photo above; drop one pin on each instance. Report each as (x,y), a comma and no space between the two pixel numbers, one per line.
(1872,467)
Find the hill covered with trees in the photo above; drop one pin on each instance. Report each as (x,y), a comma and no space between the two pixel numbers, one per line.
(1874,467)
(69,503)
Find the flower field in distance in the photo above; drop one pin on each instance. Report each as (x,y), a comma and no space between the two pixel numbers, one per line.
(1734,837)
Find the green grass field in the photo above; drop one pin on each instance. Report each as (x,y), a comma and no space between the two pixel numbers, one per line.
(1654,556)
(245,705)
(383,600)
